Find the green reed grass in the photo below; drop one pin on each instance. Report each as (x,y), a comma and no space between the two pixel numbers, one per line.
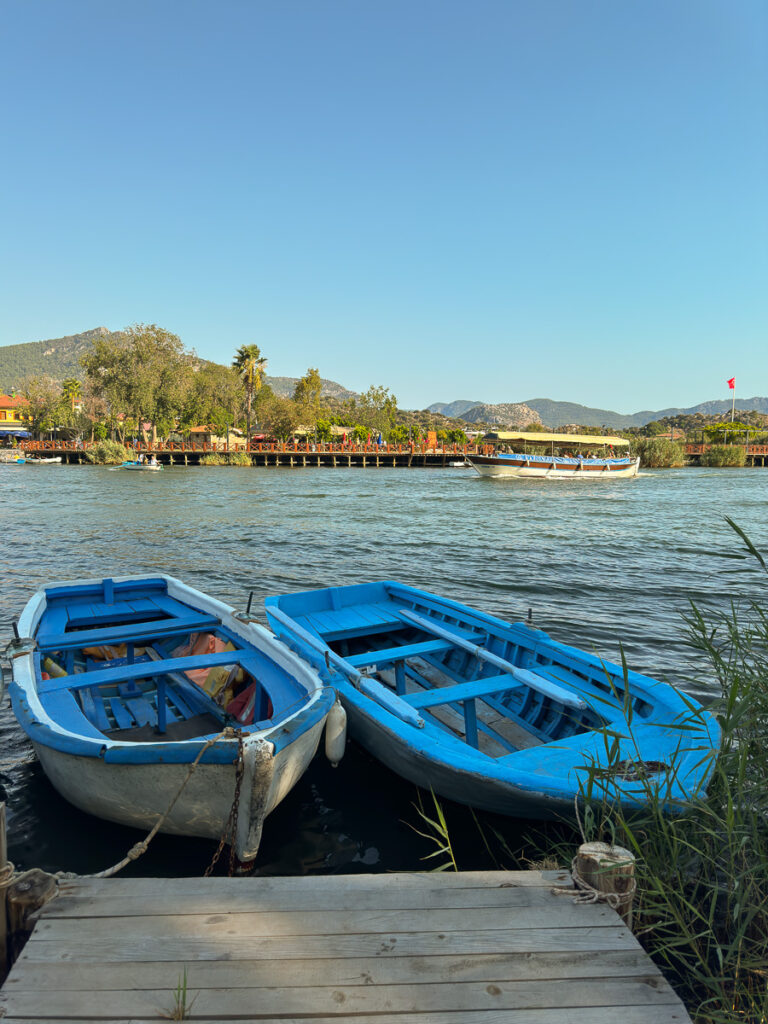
(182,1005)
(701,908)
(225,459)
(724,455)
(437,833)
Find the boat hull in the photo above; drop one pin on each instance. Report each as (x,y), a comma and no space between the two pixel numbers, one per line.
(462,785)
(596,469)
(137,795)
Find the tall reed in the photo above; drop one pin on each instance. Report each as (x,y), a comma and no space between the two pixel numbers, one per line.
(702,872)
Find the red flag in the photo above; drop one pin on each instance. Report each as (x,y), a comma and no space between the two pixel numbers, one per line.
(732,383)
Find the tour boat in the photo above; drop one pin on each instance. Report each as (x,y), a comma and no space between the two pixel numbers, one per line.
(556,464)
(553,467)
(122,684)
(491,714)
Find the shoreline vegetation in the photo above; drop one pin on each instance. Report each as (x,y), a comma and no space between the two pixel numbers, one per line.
(143,384)
(701,906)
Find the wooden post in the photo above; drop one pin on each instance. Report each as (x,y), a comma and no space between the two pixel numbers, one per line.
(3,891)
(609,869)
(26,896)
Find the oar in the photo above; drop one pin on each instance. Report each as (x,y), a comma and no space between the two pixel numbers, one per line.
(522,675)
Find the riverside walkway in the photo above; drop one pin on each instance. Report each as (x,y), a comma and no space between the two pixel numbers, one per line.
(492,947)
(348,455)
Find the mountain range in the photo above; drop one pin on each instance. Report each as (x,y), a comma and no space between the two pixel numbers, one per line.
(560,414)
(60,358)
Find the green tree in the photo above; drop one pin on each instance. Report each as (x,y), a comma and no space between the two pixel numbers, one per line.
(45,401)
(279,416)
(376,409)
(142,375)
(250,364)
(72,389)
(306,395)
(213,399)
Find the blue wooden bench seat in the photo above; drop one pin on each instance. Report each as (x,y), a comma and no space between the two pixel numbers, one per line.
(134,707)
(477,689)
(126,634)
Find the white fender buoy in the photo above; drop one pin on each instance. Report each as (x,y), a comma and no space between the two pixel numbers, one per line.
(335,733)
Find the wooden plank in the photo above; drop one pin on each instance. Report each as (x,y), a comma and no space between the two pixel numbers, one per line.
(144,670)
(492,948)
(562,914)
(130,945)
(106,976)
(93,709)
(285,999)
(461,692)
(384,655)
(396,897)
(658,1013)
(122,634)
(123,717)
(122,886)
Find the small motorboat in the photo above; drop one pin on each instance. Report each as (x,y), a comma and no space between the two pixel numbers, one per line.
(122,684)
(492,714)
(135,464)
(36,461)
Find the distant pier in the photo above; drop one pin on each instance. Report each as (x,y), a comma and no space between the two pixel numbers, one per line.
(335,456)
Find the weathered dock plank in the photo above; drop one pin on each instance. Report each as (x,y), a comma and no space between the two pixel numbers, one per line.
(470,948)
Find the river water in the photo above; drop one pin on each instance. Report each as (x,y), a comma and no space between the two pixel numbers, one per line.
(600,564)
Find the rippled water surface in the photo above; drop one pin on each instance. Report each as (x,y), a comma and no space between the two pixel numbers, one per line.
(599,563)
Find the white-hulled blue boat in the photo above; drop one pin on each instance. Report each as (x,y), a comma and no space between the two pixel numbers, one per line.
(491,714)
(121,684)
(568,457)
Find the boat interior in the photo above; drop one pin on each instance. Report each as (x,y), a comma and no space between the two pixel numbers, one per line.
(499,690)
(130,662)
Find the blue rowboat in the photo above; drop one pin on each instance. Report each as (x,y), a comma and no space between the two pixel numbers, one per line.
(122,684)
(491,714)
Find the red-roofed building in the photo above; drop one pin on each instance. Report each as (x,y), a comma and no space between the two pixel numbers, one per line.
(14,414)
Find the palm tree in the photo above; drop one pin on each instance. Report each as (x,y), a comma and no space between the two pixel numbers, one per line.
(251,365)
(72,389)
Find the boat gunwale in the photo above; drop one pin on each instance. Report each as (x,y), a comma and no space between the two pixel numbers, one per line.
(42,728)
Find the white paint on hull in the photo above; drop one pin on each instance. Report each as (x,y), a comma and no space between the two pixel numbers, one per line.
(498,469)
(136,795)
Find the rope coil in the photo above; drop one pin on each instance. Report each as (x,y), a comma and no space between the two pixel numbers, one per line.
(6,875)
(589,894)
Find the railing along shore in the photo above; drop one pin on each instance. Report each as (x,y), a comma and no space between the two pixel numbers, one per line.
(277,447)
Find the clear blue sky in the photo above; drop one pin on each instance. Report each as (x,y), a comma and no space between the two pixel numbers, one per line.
(485,199)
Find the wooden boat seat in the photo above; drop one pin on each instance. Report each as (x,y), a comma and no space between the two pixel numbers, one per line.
(461,692)
(353,620)
(126,634)
(120,612)
(388,655)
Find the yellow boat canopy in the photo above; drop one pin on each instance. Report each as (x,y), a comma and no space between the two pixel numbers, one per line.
(571,440)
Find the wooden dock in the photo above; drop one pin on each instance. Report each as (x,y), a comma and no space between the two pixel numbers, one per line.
(471,948)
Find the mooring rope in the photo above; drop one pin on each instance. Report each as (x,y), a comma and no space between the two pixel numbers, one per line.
(587,893)
(138,849)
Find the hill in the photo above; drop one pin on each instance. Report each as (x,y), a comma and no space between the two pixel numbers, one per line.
(59,358)
(560,414)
